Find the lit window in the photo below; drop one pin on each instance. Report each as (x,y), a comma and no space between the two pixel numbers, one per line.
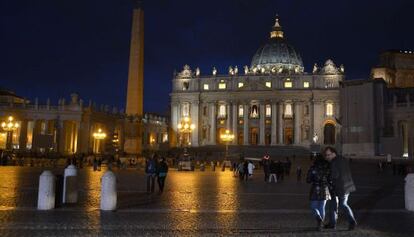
(288,110)
(185,110)
(165,137)
(268,111)
(241,84)
(306,84)
(241,110)
(254,112)
(329,109)
(288,84)
(222,111)
(222,85)
(268,84)
(206,87)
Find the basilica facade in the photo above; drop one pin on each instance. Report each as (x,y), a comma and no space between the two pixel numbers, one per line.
(271,102)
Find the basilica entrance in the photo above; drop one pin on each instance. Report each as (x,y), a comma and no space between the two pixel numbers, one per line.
(329,134)
(288,132)
(254,136)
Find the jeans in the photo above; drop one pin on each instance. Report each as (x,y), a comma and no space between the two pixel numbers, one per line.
(150,182)
(274,176)
(318,209)
(342,202)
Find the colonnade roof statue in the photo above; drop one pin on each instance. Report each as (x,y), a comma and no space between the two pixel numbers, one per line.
(277,55)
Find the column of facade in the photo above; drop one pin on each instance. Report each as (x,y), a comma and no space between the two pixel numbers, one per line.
(274,124)
(246,125)
(235,117)
(228,116)
(280,123)
(262,124)
(23,135)
(297,122)
(174,123)
(194,120)
(213,119)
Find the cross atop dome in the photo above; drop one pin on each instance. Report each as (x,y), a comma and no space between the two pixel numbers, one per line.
(277,29)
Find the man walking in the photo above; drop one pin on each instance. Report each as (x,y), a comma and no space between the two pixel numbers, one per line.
(151,173)
(343,185)
(266,167)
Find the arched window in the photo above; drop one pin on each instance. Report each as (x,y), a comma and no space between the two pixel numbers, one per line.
(288,110)
(254,111)
(329,109)
(268,111)
(241,111)
(222,111)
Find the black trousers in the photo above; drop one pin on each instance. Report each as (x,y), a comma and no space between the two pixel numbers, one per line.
(161,183)
(150,182)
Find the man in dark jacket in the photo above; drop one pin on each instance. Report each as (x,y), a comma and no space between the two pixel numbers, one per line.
(151,169)
(343,185)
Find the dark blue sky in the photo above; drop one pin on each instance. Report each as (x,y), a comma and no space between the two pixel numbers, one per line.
(51,48)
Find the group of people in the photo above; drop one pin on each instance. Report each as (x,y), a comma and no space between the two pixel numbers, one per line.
(244,170)
(156,168)
(275,170)
(331,180)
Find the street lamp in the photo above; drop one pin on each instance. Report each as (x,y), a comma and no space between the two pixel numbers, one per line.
(185,127)
(227,137)
(98,136)
(9,126)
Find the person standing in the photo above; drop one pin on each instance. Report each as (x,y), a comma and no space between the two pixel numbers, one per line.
(273,172)
(162,174)
(151,173)
(319,176)
(266,167)
(240,170)
(250,168)
(343,185)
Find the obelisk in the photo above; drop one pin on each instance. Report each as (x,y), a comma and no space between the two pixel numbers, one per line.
(135,91)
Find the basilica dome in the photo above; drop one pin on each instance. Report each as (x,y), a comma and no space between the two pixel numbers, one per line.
(277,55)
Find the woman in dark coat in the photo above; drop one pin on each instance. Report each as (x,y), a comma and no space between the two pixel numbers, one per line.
(319,176)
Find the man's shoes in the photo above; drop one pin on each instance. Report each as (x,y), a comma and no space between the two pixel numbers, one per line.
(352,225)
(329,226)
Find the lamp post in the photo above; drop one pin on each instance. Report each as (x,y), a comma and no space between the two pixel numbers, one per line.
(98,137)
(185,127)
(9,126)
(227,137)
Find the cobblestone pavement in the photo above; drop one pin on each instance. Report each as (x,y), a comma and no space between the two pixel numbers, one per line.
(200,203)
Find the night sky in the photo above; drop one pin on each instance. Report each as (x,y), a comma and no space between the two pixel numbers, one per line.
(49,48)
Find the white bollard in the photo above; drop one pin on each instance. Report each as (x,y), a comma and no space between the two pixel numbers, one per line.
(70,189)
(409,192)
(46,196)
(108,191)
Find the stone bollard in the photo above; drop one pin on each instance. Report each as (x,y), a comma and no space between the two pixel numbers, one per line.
(46,195)
(108,192)
(70,189)
(409,192)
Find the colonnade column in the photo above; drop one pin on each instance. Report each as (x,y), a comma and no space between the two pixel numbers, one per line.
(297,122)
(235,117)
(23,135)
(194,120)
(262,124)
(273,124)
(174,123)
(246,125)
(213,123)
(280,123)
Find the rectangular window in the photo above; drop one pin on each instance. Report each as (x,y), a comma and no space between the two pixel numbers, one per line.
(206,87)
(222,111)
(241,84)
(306,84)
(288,84)
(268,111)
(222,85)
(185,110)
(268,84)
